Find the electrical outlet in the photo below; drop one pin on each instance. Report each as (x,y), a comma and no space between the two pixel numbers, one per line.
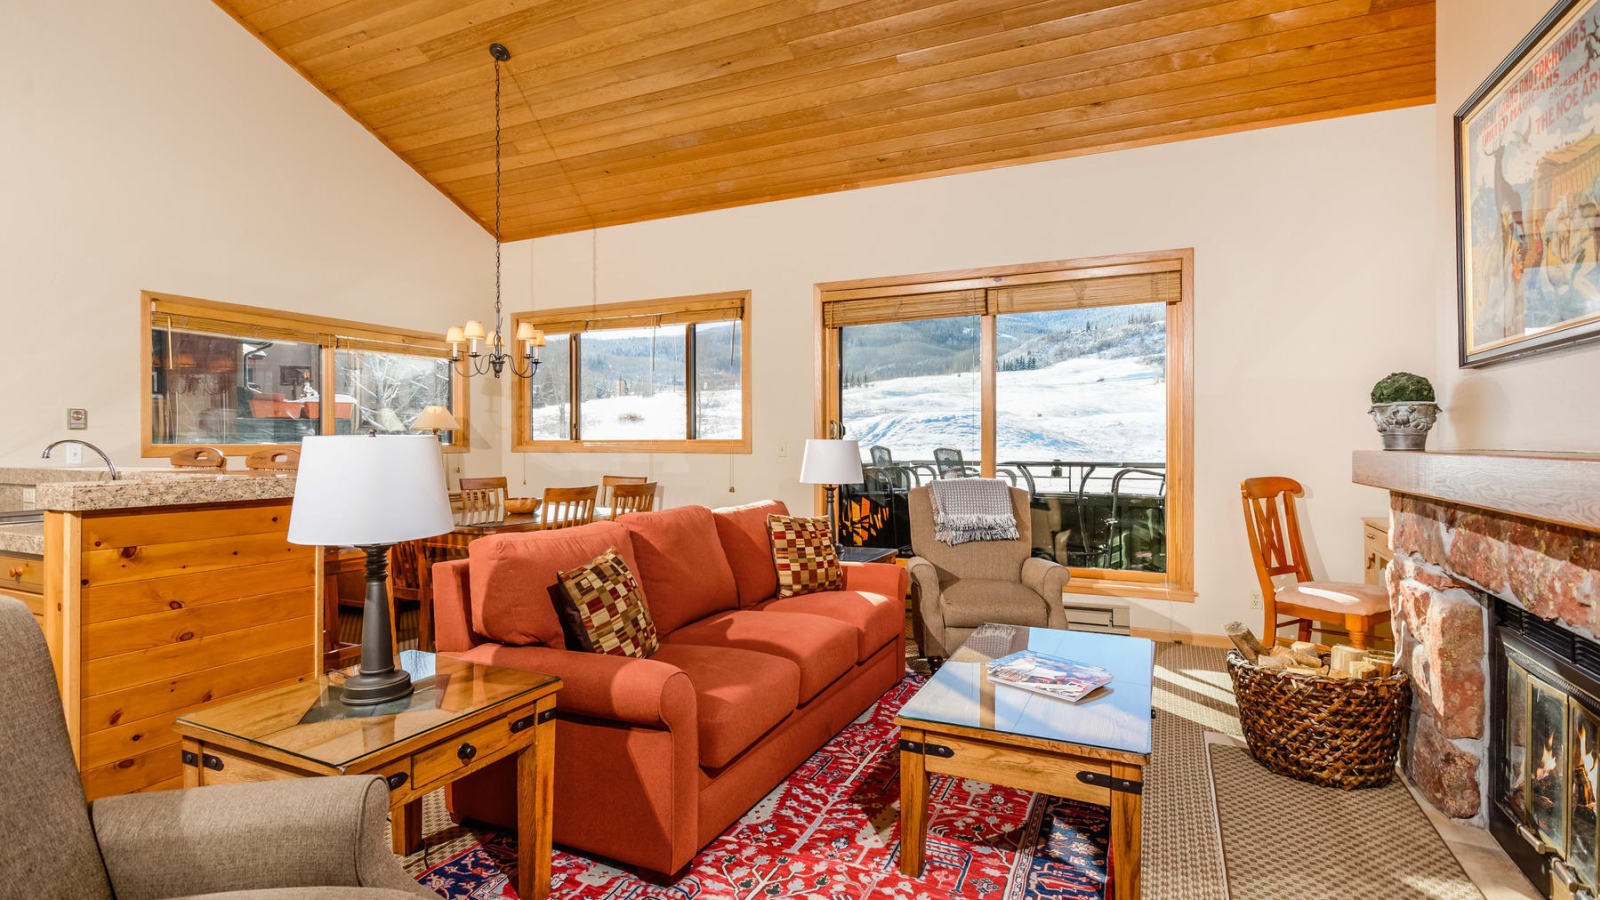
(74,454)
(1255,600)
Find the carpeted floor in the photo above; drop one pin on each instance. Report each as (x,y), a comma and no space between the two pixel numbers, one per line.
(1399,853)
(830,829)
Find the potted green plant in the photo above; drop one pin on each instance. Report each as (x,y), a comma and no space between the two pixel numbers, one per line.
(1404,408)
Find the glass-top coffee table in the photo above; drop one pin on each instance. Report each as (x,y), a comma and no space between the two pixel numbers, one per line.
(963,724)
(460,718)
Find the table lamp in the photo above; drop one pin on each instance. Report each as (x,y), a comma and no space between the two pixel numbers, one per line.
(831,463)
(370,491)
(435,419)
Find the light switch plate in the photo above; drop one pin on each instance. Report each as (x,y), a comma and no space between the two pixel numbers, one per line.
(74,455)
(77,419)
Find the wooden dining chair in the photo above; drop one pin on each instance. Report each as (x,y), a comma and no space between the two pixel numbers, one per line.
(627,498)
(408,584)
(568,507)
(198,458)
(1277,550)
(271,459)
(607,482)
(484,483)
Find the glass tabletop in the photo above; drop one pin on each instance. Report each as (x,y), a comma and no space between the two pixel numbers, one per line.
(308,720)
(1115,716)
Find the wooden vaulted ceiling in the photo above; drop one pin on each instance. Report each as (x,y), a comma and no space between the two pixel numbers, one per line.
(622,110)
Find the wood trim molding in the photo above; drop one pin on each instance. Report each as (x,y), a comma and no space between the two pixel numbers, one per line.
(1177,584)
(521,411)
(1193,638)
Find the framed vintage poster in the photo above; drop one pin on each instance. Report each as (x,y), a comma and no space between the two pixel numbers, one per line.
(1527,146)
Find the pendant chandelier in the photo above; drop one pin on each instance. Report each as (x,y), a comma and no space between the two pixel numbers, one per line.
(486,351)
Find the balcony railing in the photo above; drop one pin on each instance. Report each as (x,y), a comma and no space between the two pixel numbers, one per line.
(1102,514)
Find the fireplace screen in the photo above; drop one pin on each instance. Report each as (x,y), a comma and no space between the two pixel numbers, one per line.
(1548,767)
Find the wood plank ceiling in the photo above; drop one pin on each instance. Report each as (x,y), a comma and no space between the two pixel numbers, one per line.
(622,110)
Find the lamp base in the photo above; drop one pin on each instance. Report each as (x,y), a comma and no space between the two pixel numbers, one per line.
(374,688)
(376,680)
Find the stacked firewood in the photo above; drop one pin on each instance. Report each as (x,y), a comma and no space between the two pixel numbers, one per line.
(1306,658)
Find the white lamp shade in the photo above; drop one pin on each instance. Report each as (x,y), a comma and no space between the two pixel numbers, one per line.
(368,489)
(831,462)
(435,417)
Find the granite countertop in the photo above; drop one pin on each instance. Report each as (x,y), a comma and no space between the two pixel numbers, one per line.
(27,537)
(166,489)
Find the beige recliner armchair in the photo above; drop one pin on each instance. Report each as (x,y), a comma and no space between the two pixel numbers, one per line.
(958,588)
(306,839)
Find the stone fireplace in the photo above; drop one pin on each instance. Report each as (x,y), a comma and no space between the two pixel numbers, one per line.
(1493,592)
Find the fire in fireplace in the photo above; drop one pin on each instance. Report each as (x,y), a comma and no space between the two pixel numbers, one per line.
(1545,752)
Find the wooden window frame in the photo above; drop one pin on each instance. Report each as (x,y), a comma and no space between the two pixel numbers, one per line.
(1177,583)
(574,320)
(328,333)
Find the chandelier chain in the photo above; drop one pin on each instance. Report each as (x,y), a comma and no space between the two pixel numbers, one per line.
(497,323)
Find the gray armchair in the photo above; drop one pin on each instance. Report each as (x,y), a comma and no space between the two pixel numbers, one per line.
(956,589)
(305,839)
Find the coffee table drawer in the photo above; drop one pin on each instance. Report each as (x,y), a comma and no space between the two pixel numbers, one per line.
(447,759)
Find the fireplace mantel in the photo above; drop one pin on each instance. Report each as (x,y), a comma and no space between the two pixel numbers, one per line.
(1562,488)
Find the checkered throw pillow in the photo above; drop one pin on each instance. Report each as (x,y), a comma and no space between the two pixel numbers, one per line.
(605,612)
(802,550)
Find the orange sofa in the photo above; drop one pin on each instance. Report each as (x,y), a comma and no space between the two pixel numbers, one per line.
(656,757)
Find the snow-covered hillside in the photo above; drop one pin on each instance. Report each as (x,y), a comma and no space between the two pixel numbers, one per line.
(1075,410)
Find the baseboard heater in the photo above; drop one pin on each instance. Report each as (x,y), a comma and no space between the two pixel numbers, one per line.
(1105,618)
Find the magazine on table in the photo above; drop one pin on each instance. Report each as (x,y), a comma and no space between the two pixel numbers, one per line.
(1048,675)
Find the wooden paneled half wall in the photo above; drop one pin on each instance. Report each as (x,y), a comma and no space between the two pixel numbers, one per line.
(621,110)
(151,612)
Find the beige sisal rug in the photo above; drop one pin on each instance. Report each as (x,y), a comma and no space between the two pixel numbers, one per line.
(1285,838)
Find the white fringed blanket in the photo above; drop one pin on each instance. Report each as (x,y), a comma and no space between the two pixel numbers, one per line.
(972,509)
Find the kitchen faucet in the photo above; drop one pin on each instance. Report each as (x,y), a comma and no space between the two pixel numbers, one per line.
(109,464)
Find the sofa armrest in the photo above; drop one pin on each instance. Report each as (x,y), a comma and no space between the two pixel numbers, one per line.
(601,686)
(452,607)
(1047,579)
(887,579)
(302,832)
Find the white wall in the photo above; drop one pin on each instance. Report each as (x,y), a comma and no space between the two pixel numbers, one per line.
(1545,402)
(159,146)
(1312,256)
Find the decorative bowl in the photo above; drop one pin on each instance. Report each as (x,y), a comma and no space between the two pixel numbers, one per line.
(521,506)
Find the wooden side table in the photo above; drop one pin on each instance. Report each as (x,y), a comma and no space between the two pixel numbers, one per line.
(866,554)
(460,718)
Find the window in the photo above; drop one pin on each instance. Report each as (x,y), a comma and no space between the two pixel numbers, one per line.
(667,375)
(1068,380)
(240,378)
(386,391)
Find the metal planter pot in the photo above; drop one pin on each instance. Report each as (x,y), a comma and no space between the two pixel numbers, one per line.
(1405,425)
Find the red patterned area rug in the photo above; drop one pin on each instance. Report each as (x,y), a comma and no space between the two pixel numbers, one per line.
(831,831)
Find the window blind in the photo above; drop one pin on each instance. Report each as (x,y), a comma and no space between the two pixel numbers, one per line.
(648,314)
(902,307)
(1164,287)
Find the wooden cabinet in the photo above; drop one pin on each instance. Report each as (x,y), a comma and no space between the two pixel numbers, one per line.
(1375,548)
(151,611)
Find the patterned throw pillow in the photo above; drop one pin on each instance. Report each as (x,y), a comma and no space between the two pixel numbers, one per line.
(605,612)
(802,550)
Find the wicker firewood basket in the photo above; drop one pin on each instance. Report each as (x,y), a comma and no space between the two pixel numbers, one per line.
(1336,732)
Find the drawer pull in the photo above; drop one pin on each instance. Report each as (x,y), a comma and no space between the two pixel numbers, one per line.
(466,752)
(396,780)
(16,571)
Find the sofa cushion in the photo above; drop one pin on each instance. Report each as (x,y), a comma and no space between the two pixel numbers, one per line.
(681,565)
(748,546)
(603,608)
(739,695)
(803,554)
(875,618)
(511,576)
(971,602)
(823,648)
